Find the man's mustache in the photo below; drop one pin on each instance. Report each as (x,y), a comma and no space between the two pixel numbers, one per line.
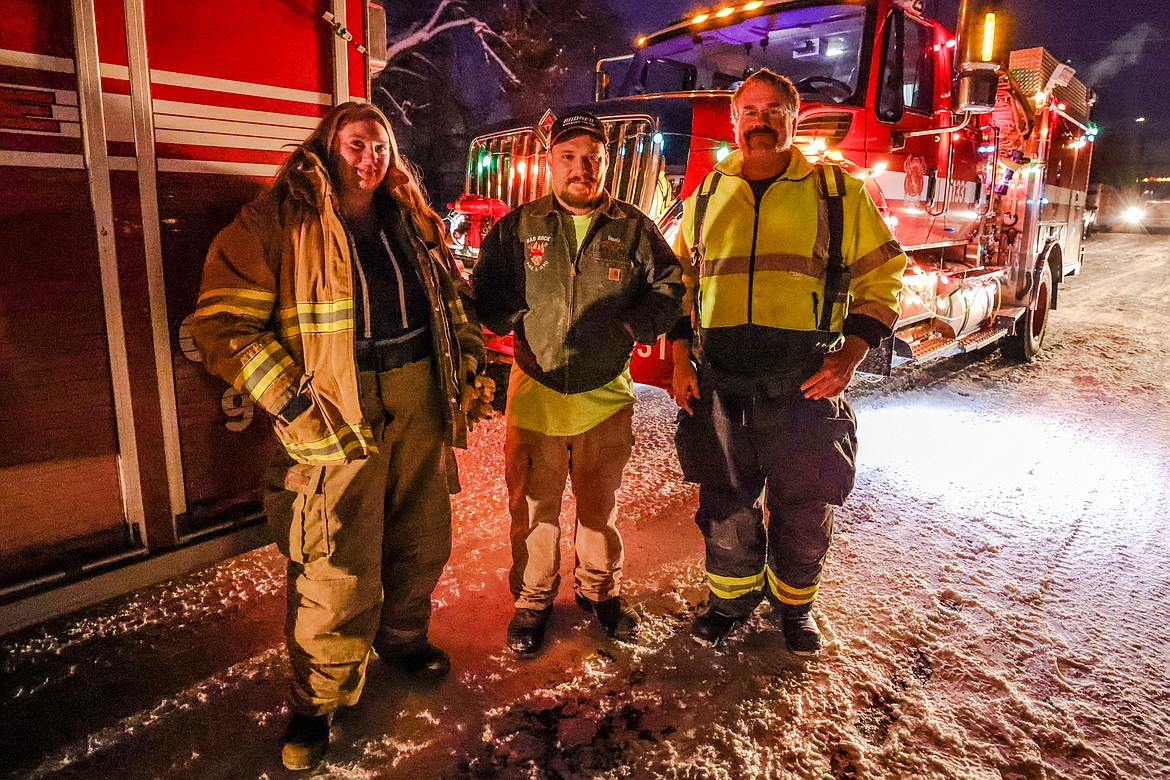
(760,131)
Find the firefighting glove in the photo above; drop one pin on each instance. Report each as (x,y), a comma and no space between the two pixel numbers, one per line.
(478,395)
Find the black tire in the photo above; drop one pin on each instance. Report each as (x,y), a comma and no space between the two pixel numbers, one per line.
(1028,339)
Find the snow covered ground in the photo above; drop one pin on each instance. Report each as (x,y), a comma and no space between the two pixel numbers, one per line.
(994,607)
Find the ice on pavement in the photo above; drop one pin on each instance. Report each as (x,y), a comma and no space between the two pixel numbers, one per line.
(993,607)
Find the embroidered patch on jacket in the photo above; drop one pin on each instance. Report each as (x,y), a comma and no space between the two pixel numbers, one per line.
(615,274)
(536,254)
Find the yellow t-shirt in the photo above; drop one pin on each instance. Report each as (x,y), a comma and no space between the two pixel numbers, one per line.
(534,407)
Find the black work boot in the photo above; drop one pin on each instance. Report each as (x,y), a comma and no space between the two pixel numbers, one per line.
(713,626)
(305,741)
(420,660)
(526,630)
(618,620)
(801,633)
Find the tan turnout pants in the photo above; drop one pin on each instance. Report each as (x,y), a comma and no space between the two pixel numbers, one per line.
(366,541)
(536,468)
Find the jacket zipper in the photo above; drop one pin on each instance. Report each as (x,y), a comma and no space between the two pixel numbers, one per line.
(816,311)
(573,272)
(752,258)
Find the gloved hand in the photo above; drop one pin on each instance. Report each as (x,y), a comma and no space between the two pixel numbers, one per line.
(478,395)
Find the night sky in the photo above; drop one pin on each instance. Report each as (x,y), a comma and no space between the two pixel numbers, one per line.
(1117,47)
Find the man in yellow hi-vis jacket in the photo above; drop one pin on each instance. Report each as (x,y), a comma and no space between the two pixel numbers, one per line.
(792,278)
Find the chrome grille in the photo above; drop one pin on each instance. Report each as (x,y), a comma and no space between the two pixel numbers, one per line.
(513,166)
(828,127)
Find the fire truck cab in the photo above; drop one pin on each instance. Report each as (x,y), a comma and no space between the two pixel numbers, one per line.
(978,161)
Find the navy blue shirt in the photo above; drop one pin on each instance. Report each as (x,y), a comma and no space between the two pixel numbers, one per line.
(387,281)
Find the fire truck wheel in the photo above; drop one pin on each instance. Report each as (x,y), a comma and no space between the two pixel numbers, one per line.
(1030,330)
(499,372)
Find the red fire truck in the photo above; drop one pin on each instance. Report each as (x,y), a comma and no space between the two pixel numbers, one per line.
(978,162)
(130,133)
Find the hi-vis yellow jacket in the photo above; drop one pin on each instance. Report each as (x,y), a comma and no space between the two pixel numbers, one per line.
(767,266)
(275,316)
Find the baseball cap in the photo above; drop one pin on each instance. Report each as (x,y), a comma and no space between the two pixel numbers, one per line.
(574,122)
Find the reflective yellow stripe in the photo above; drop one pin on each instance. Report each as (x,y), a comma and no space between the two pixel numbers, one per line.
(734,587)
(336,447)
(790,595)
(240,301)
(258,374)
(318,317)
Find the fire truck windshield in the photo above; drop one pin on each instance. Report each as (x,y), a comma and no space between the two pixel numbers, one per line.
(818,47)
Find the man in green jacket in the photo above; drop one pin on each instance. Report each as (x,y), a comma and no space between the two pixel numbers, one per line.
(579,277)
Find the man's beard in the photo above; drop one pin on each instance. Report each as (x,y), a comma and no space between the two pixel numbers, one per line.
(587,201)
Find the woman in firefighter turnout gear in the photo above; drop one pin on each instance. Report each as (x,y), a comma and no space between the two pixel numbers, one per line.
(794,278)
(334,303)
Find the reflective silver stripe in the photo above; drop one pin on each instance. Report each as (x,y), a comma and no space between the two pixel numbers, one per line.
(398,274)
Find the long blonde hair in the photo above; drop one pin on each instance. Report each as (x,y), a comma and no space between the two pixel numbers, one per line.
(402,179)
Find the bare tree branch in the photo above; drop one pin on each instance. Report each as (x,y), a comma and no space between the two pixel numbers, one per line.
(406,72)
(400,108)
(435,26)
(491,54)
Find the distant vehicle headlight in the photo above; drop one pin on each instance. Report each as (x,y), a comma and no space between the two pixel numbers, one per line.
(1134,214)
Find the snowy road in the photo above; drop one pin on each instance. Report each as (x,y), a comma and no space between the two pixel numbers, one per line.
(994,605)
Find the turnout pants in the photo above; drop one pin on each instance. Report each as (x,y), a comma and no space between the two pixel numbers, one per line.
(536,468)
(791,456)
(366,541)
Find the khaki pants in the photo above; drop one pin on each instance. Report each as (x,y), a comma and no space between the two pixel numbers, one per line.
(537,466)
(366,541)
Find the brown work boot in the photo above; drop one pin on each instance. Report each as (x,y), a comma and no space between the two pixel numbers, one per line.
(305,741)
(526,630)
(618,620)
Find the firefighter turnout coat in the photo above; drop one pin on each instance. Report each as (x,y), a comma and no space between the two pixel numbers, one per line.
(275,316)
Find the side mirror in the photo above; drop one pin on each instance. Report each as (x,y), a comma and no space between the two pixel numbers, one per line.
(889,98)
(977,87)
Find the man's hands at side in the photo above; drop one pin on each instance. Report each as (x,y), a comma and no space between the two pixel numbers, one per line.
(685,382)
(837,371)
